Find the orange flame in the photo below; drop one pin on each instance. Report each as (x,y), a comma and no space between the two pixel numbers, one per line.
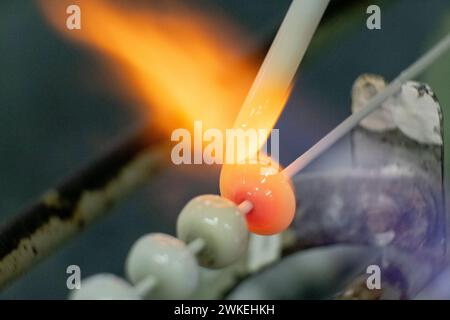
(172,60)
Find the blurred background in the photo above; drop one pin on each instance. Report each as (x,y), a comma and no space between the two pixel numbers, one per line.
(59,108)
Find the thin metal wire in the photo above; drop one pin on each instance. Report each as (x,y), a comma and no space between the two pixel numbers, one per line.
(348,124)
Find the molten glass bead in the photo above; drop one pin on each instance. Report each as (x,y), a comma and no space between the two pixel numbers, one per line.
(269,190)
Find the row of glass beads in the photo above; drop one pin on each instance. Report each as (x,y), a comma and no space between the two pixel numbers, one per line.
(211,232)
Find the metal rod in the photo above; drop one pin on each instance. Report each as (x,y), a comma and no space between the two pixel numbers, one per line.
(348,124)
(66,210)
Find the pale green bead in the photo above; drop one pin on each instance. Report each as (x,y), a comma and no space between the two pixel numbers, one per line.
(221,226)
(168,260)
(104,286)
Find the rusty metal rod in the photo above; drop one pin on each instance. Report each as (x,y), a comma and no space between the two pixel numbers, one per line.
(69,208)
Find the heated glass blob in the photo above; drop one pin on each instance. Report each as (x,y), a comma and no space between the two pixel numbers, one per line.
(268,190)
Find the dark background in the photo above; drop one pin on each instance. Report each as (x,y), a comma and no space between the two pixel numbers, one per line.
(56,113)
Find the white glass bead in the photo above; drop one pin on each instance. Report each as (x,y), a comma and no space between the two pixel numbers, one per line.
(219,223)
(104,286)
(168,260)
